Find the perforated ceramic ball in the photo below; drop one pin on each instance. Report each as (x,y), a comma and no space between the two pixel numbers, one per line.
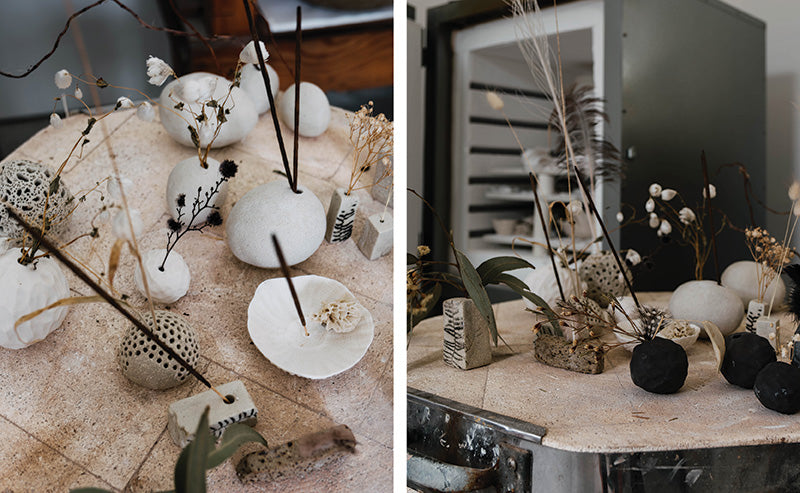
(24,184)
(144,362)
(601,274)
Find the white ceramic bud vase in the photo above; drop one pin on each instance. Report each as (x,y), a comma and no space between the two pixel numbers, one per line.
(168,285)
(186,178)
(466,335)
(754,310)
(341,216)
(27,288)
(698,301)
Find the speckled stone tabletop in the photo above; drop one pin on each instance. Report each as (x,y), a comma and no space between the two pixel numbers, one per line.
(602,413)
(69,418)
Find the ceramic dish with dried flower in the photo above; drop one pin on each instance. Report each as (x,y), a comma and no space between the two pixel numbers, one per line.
(680,331)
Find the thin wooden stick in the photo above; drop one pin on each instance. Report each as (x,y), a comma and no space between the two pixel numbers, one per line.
(534,183)
(288,276)
(265,76)
(707,189)
(298,33)
(33,231)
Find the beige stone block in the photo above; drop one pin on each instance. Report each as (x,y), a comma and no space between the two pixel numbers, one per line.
(377,236)
(466,335)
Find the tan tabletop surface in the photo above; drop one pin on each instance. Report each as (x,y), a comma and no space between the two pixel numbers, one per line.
(69,418)
(598,413)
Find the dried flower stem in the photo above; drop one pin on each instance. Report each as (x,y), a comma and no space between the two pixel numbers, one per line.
(707,189)
(372,139)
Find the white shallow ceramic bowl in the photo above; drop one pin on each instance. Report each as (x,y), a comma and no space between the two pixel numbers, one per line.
(685,341)
(276,331)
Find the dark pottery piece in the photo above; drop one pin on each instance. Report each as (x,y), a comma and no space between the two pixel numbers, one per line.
(746,354)
(777,387)
(659,366)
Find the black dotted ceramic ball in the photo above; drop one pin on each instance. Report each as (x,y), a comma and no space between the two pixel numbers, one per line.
(659,366)
(777,387)
(745,355)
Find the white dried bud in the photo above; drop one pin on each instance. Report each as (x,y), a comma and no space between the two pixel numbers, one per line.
(620,217)
(113,186)
(687,215)
(654,221)
(712,190)
(633,257)
(794,190)
(650,205)
(249,55)
(206,134)
(665,228)
(655,190)
(145,112)
(796,209)
(197,90)
(668,194)
(55,121)
(784,352)
(575,207)
(78,92)
(158,71)
(120,227)
(494,101)
(63,79)
(123,103)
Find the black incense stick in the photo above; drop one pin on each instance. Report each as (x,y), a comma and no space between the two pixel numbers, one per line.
(52,250)
(606,235)
(265,76)
(298,40)
(707,190)
(288,276)
(534,183)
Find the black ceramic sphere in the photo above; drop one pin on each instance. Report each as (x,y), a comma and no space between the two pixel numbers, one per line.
(659,366)
(777,387)
(745,355)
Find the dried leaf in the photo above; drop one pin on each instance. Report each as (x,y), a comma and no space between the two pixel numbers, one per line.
(717,341)
(72,300)
(113,260)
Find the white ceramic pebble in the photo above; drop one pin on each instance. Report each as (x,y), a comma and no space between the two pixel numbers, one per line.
(742,278)
(699,301)
(542,282)
(252,83)
(167,286)
(315,110)
(185,178)
(27,288)
(297,219)
(240,121)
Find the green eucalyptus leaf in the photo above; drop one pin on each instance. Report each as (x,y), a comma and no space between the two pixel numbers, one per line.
(411,259)
(234,437)
(190,470)
(512,282)
(546,311)
(476,291)
(492,268)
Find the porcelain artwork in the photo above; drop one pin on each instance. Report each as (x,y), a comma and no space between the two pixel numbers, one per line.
(466,335)
(276,331)
(253,84)
(167,286)
(27,288)
(602,277)
(377,236)
(341,216)
(697,301)
(145,363)
(742,278)
(315,110)
(186,178)
(240,120)
(542,281)
(297,219)
(24,185)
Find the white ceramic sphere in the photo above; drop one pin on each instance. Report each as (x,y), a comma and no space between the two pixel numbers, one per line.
(315,110)
(742,278)
(297,219)
(699,301)
(167,286)
(27,288)
(253,84)
(542,282)
(240,121)
(185,178)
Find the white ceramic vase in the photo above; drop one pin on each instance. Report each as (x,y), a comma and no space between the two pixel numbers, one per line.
(186,178)
(168,285)
(341,216)
(699,301)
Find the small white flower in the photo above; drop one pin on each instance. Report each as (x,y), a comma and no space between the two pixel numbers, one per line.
(494,101)
(668,194)
(796,337)
(771,335)
(620,217)
(655,190)
(784,352)
(654,220)
(158,70)
(55,121)
(633,257)
(63,79)
(120,227)
(575,207)
(206,134)
(794,191)
(123,103)
(687,215)
(796,209)
(113,186)
(197,90)
(650,205)
(78,92)
(712,189)
(249,55)
(145,112)
(665,228)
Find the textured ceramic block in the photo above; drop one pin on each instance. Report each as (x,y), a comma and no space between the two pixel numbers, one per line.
(466,335)
(341,216)
(382,188)
(377,237)
(765,326)
(754,311)
(557,352)
(184,415)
